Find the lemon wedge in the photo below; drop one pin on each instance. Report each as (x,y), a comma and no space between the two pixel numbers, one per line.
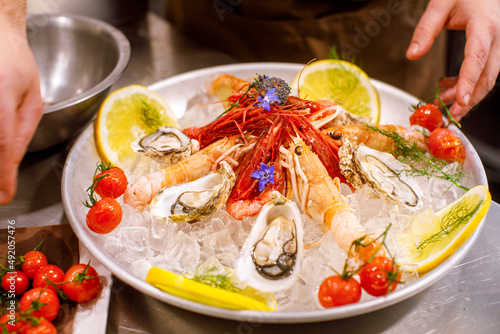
(186,288)
(435,236)
(125,115)
(341,82)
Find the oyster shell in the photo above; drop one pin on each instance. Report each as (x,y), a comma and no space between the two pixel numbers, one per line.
(196,200)
(271,256)
(362,165)
(167,144)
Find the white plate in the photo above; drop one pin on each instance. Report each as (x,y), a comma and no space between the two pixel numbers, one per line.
(177,90)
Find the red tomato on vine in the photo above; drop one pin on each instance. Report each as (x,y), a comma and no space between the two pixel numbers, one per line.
(104,216)
(16,280)
(110,182)
(444,144)
(11,323)
(41,302)
(427,115)
(380,276)
(336,291)
(82,283)
(39,326)
(49,272)
(32,261)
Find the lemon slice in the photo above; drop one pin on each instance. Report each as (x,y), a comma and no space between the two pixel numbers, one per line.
(433,237)
(205,294)
(341,82)
(125,115)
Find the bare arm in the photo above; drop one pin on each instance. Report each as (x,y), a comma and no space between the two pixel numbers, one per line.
(481,22)
(21,104)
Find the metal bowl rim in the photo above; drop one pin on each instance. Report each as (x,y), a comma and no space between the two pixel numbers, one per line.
(124,51)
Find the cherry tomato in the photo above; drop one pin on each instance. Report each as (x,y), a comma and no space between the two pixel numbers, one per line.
(84,283)
(113,185)
(42,301)
(337,291)
(445,145)
(104,216)
(380,276)
(33,260)
(52,273)
(11,323)
(15,281)
(40,327)
(428,115)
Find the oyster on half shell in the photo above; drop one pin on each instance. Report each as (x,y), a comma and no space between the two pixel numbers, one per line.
(362,165)
(271,256)
(167,144)
(196,200)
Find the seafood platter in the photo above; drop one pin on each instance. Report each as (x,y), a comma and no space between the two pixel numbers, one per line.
(264,195)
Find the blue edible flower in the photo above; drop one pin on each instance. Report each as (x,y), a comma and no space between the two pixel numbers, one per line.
(265,175)
(270,96)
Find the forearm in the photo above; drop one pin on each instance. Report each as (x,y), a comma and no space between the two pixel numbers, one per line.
(13,13)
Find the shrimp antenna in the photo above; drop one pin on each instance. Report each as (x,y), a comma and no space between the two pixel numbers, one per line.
(300,73)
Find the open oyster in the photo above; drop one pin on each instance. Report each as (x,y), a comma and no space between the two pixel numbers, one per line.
(272,254)
(167,144)
(196,200)
(362,165)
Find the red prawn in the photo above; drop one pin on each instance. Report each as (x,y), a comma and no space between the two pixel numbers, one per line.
(244,118)
(274,127)
(245,198)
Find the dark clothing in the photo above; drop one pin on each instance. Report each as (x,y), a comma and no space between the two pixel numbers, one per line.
(375,33)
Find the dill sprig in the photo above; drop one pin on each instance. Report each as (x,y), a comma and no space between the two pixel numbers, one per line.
(458,215)
(150,115)
(420,162)
(221,281)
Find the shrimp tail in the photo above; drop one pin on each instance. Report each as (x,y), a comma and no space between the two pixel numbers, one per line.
(141,192)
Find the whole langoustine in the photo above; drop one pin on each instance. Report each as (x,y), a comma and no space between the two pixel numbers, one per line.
(320,198)
(141,192)
(375,136)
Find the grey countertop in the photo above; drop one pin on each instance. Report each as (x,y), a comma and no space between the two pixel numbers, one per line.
(467,300)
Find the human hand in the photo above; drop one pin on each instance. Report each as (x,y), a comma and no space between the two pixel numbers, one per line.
(21,106)
(480,68)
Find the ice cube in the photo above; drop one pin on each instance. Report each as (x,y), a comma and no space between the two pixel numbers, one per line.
(162,234)
(219,242)
(135,244)
(134,238)
(312,230)
(183,253)
(162,262)
(140,268)
(113,246)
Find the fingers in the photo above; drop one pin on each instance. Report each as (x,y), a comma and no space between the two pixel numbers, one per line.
(8,168)
(28,117)
(458,112)
(448,90)
(17,128)
(428,28)
(474,66)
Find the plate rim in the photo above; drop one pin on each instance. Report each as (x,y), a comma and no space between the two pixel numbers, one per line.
(280,317)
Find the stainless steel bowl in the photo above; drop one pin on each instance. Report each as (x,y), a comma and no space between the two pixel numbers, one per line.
(78,59)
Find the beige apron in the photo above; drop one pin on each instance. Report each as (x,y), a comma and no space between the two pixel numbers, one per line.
(375,33)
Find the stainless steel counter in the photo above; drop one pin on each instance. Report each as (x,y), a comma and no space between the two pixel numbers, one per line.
(467,300)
